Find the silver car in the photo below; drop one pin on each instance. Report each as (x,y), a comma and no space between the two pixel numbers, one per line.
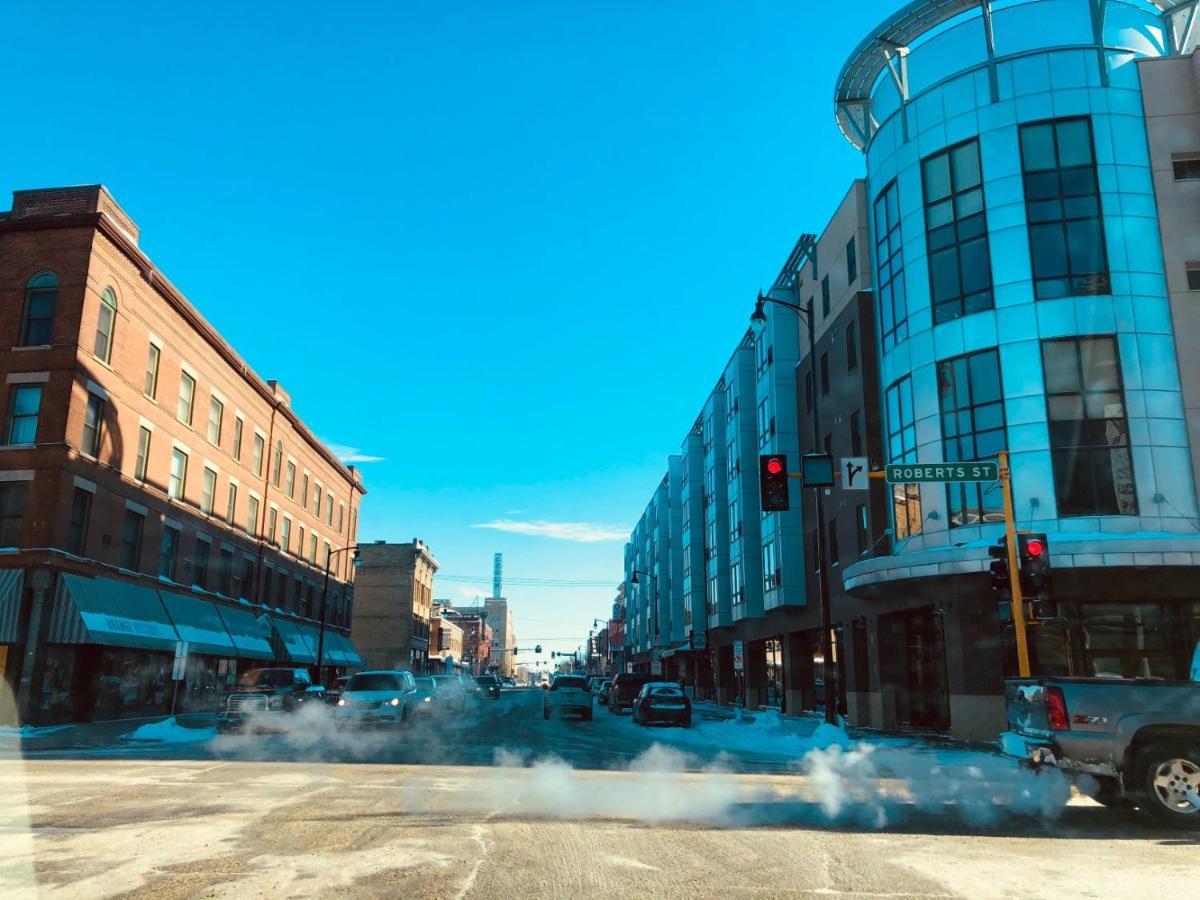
(384,697)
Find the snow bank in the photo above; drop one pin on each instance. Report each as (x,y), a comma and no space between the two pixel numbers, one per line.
(28,732)
(169,731)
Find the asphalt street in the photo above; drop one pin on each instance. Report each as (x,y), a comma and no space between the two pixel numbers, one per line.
(611,815)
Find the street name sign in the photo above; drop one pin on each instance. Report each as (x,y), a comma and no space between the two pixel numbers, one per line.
(922,473)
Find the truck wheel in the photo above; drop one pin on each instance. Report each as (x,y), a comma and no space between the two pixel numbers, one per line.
(1170,782)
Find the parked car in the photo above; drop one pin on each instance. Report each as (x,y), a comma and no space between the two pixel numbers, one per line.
(450,692)
(426,699)
(1140,739)
(568,694)
(662,701)
(624,689)
(487,686)
(384,697)
(263,696)
(602,690)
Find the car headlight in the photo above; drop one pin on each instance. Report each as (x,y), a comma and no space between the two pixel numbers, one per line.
(341,701)
(427,699)
(395,701)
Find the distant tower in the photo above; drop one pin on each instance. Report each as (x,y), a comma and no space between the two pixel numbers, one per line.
(497,574)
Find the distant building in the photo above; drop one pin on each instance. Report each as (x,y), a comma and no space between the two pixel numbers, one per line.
(476,636)
(393,602)
(504,641)
(446,639)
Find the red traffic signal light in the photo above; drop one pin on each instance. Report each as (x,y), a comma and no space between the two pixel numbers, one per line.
(1034,547)
(773,482)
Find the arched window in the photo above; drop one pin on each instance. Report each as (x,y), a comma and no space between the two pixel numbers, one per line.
(105,325)
(37,322)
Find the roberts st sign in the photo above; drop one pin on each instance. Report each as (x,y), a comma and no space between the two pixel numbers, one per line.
(909,473)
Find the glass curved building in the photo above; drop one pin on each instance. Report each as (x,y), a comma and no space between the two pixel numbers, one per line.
(1024,303)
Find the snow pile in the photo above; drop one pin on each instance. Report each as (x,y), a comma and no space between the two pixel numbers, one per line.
(169,731)
(29,732)
(768,733)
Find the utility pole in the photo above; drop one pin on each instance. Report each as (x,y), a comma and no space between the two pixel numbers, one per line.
(1014,568)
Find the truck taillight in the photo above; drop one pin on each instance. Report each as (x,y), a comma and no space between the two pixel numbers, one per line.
(1056,710)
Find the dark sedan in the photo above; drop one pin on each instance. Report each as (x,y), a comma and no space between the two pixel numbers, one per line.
(487,686)
(662,701)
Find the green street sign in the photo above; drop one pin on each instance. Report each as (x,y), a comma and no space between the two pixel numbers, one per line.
(922,473)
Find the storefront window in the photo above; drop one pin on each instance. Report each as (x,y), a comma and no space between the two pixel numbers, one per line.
(774,654)
(57,678)
(1126,640)
(130,682)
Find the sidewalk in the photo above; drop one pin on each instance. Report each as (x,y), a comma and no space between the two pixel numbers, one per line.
(86,735)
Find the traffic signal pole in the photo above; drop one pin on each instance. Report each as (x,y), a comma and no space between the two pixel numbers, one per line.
(1014,568)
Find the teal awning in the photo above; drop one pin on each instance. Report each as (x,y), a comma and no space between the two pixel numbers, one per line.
(250,634)
(198,623)
(343,652)
(353,660)
(106,611)
(290,644)
(10,604)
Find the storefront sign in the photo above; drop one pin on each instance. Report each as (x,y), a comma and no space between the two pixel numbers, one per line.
(924,473)
(739,656)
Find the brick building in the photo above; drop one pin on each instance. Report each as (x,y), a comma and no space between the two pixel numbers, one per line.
(477,636)
(445,639)
(393,605)
(152,487)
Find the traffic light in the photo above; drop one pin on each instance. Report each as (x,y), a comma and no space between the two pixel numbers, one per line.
(1033,551)
(1001,582)
(773,482)
(537,648)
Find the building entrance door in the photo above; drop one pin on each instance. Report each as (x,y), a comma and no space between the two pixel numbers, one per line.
(913,667)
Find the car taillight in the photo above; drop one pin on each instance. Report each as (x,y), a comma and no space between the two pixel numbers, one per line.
(1056,710)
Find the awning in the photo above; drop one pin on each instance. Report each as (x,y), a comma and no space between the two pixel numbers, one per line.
(251,636)
(310,638)
(677,648)
(10,604)
(346,655)
(290,644)
(198,623)
(105,611)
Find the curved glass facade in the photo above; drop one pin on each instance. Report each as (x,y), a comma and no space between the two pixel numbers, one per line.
(1022,300)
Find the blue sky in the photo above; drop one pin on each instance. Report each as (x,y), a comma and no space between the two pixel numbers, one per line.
(505,247)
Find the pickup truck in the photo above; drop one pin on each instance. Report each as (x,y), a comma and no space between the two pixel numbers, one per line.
(263,696)
(1138,738)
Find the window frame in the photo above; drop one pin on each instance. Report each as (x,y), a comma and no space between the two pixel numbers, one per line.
(43,282)
(93,422)
(79,520)
(186,378)
(108,303)
(907,496)
(14,419)
(959,493)
(153,360)
(135,544)
(889,270)
(177,481)
(141,461)
(215,422)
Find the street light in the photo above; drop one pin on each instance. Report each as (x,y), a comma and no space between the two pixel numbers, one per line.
(325,600)
(758,322)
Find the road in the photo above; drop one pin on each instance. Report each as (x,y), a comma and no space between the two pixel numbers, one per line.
(612,816)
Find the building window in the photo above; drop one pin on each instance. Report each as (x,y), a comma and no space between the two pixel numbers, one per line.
(889,255)
(285,534)
(81,514)
(252,514)
(317,500)
(216,419)
(1062,203)
(304,490)
(256,456)
(902,448)
(1187,166)
(329,509)
(856,447)
(971,401)
(300,541)
(960,270)
(341,516)
(289,483)
(142,461)
(153,355)
(281,580)
(851,260)
(770,564)
(178,480)
(12,511)
(766,355)
(824,374)
(1193,276)
(736,589)
(187,397)
(93,424)
(862,533)
(833,543)
(200,564)
(238,425)
(766,423)
(225,572)
(131,540)
(106,324)
(37,321)
(312,548)
(208,491)
(231,506)
(1089,434)
(278,473)
(168,554)
(851,346)
(328,551)
(24,406)
(246,579)
(272,518)
(825,296)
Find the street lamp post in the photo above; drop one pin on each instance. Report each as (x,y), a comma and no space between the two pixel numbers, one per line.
(325,601)
(758,321)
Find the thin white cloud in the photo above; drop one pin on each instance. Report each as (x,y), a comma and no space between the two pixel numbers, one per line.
(580,532)
(349,454)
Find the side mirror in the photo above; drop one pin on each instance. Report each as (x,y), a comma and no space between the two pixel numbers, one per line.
(545,687)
